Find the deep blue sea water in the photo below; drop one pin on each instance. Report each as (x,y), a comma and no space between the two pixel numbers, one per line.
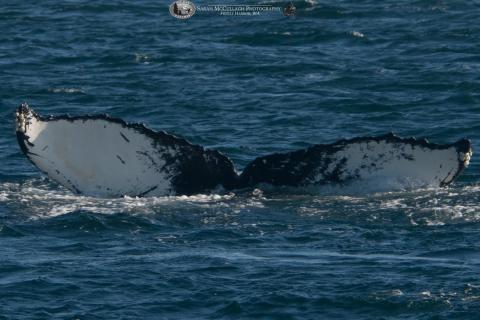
(247,86)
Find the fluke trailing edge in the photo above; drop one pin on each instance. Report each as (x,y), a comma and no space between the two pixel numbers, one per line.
(103,156)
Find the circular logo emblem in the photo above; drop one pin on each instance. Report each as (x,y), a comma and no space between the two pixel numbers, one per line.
(182,9)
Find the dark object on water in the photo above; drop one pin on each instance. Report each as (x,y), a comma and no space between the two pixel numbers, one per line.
(289,10)
(103,156)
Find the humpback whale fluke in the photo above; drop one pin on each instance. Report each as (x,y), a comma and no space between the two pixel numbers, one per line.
(102,156)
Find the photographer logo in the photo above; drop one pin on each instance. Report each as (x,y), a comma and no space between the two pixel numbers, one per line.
(182,9)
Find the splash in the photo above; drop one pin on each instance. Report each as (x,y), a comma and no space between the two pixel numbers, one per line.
(42,199)
(430,207)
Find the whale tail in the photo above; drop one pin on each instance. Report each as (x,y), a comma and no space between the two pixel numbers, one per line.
(386,157)
(103,156)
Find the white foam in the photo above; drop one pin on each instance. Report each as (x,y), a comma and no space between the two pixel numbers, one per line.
(66,90)
(357,34)
(142,58)
(43,201)
(38,199)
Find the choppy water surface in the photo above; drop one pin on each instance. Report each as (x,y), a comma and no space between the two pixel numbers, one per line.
(246,86)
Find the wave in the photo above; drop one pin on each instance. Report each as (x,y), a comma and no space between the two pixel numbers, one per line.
(44,199)
(41,199)
(66,90)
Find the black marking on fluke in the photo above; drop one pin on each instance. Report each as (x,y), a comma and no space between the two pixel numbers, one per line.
(121,160)
(200,170)
(125,138)
(143,194)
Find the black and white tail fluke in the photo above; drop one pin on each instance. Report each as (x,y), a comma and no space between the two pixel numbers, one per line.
(383,158)
(103,156)
(107,157)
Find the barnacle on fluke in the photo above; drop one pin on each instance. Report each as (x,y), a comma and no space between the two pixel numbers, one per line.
(103,156)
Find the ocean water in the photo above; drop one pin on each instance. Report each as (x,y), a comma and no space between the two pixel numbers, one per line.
(247,86)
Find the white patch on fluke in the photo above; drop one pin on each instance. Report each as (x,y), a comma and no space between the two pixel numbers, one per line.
(382,159)
(95,156)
